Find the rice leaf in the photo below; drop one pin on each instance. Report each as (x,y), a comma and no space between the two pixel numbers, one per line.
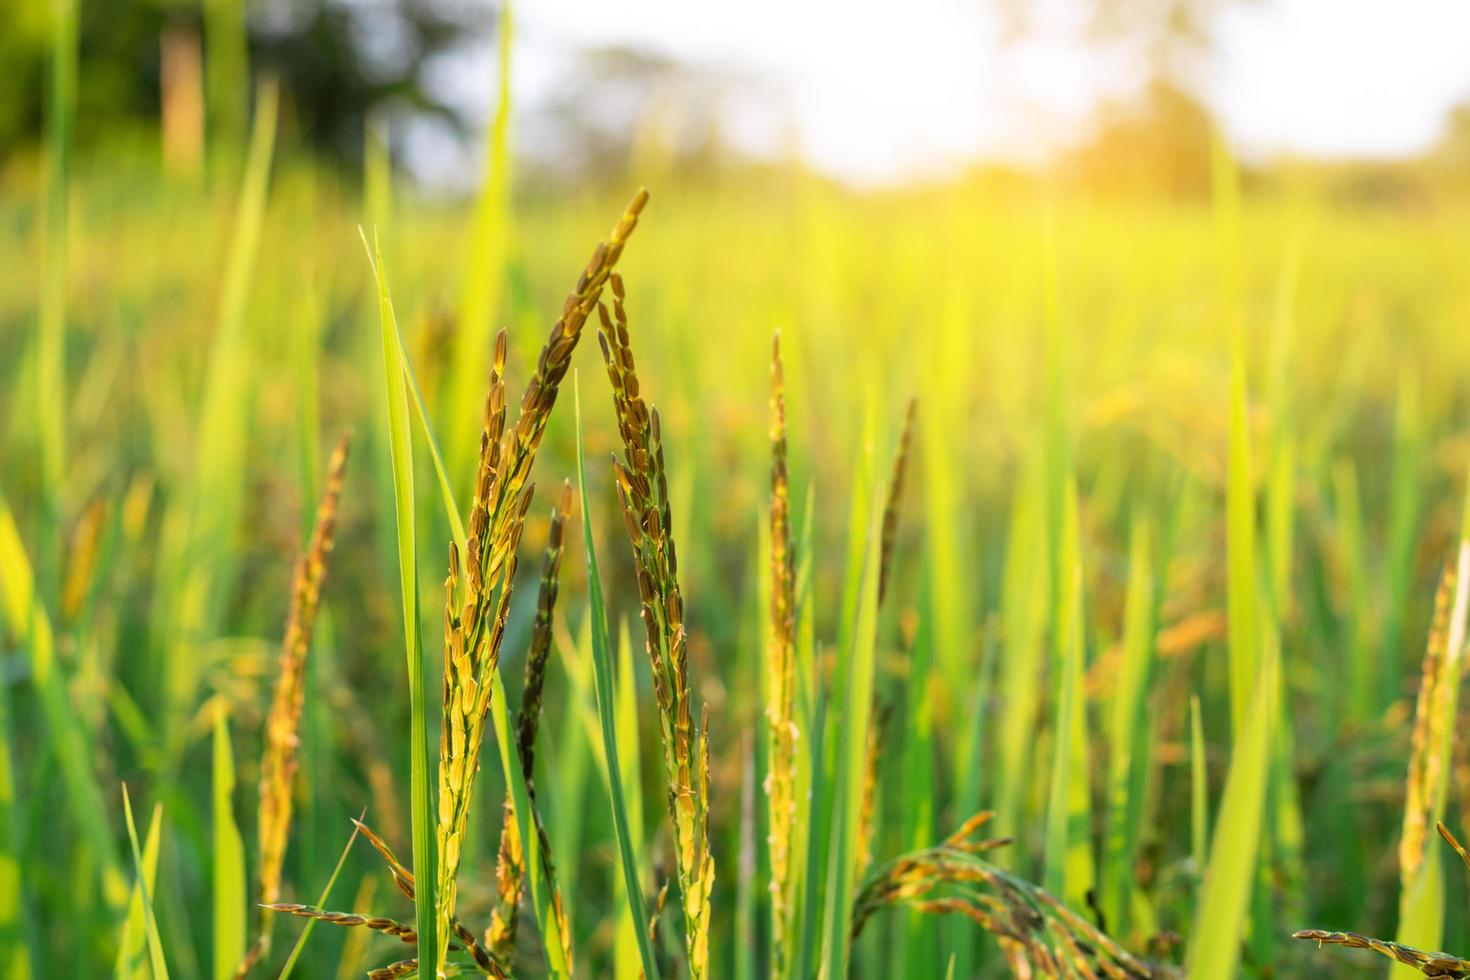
(132,944)
(1199,792)
(1240,520)
(1070,870)
(150,923)
(420,762)
(852,742)
(627,956)
(1219,923)
(1128,729)
(229,859)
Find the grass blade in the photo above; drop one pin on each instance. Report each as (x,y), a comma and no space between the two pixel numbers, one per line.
(1219,923)
(155,945)
(1129,729)
(1240,531)
(321,902)
(421,763)
(1199,791)
(229,859)
(132,944)
(852,745)
(483,276)
(1070,871)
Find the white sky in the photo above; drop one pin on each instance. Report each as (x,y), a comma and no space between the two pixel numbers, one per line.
(876,91)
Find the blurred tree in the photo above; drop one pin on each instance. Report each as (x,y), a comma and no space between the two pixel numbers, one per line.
(337,60)
(619,108)
(1451,153)
(1158,138)
(1157,143)
(1173,35)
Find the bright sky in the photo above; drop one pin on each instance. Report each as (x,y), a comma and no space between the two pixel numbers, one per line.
(876,91)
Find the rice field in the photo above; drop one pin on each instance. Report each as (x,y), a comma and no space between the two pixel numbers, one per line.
(734,578)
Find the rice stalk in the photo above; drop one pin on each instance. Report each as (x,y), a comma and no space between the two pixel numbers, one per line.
(511,864)
(894,505)
(1424,760)
(619,787)
(643,492)
(878,711)
(1422,890)
(780,783)
(475,621)
(279,762)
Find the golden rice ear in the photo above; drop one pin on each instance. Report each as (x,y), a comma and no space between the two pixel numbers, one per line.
(1453,842)
(1429,964)
(781,776)
(475,625)
(1040,935)
(643,492)
(279,758)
